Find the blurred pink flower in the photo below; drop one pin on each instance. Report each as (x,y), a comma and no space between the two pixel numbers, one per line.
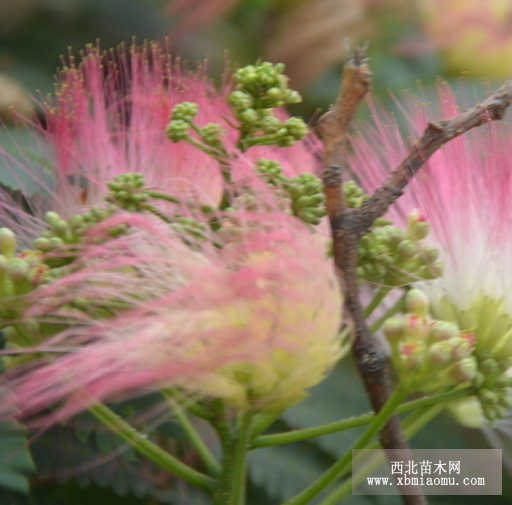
(250,314)
(254,322)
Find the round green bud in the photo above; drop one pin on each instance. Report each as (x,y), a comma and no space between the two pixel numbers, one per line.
(394,328)
(17,269)
(177,130)
(461,348)
(294,97)
(465,370)
(478,380)
(296,127)
(489,397)
(440,353)
(50,217)
(185,111)
(270,124)
(432,271)
(240,100)
(212,132)
(249,117)
(419,230)
(429,255)
(416,302)
(42,244)
(406,249)
(443,330)
(8,242)
(489,366)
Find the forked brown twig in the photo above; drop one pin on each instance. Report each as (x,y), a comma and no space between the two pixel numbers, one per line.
(348,225)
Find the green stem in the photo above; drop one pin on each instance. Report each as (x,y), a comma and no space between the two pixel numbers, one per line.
(208,458)
(156,212)
(399,305)
(162,196)
(200,411)
(354,422)
(414,423)
(341,466)
(376,301)
(149,449)
(239,475)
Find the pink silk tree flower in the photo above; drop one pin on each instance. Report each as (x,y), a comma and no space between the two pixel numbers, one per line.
(254,322)
(108,117)
(463,193)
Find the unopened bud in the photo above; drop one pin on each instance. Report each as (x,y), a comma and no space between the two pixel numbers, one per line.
(7,242)
(443,330)
(416,302)
(417,226)
(17,269)
(464,370)
(394,327)
(440,353)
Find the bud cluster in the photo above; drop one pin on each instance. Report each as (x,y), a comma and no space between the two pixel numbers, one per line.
(493,387)
(182,125)
(429,354)
(305,192)
(392,256)
(258,90)
(65,235)
(20,273)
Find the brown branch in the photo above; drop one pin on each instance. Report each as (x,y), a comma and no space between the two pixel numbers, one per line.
(435,136)
(333,128)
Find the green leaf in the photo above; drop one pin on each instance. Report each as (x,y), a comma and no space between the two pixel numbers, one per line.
(25,161)
(15,459)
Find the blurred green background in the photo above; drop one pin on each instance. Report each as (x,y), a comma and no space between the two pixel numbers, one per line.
(410,41)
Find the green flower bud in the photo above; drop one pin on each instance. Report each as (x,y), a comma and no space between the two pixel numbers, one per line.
(8,242)
(429,254)
(443,330)
(432,271)
(185,111)
(17,269)
(406,249)
(212,132)
(415,327)
(270,124)
(489,366)
(416,302)
(296,127)
(240,100)
(465,370)
(478,380)
(417,226)
(440,353)
(177,130)
(50,217)
(461,348)
(488,397)
(249,118)
(294,97)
